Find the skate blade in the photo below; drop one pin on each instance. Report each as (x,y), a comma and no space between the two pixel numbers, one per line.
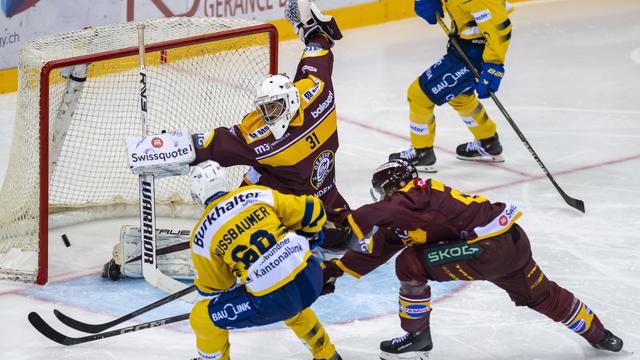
(491,158)
(430,169)
(414,355)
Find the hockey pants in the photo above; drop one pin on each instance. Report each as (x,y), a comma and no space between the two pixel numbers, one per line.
(211,319)
(506,261)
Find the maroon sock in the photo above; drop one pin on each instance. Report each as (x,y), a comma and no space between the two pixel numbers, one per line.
(562,306)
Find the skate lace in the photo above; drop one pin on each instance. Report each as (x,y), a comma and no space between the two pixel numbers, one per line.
(476,146)
(399,339)
(408,154)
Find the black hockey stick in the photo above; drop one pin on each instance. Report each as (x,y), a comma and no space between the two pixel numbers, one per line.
(575,203)
(165,250)
(54,335)
(96,328)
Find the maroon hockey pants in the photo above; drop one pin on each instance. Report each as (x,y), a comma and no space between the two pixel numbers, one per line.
(505,261)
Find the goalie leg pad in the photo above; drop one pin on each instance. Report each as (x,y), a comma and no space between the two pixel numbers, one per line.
(176,264)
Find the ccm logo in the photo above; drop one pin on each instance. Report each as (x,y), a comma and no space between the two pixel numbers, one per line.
(157,142)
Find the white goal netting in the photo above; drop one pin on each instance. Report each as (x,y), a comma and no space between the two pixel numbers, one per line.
(201,73)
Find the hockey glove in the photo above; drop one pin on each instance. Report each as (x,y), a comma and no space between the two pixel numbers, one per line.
(330,272)
(315,239)
(427,10)
(308,20)
(490,78)
(338,216)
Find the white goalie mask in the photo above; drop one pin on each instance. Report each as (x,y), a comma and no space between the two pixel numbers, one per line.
(278,101)
(208,180)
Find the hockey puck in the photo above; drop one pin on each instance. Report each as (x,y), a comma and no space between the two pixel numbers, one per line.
(65,240)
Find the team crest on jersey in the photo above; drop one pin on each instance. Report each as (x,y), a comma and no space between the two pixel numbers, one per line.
(322,166)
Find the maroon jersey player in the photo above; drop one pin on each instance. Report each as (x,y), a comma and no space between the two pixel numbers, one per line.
(290,140)
(448,235)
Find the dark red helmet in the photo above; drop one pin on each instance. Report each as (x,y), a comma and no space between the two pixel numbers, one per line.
(391,177)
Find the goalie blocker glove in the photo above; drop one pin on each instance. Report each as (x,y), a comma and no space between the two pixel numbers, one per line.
(308,21)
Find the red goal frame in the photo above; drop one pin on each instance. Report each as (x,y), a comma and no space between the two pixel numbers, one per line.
(43,227)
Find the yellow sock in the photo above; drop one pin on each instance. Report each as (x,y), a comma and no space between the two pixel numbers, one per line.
(474,116)
(309,329)
(211,341)
(423,123)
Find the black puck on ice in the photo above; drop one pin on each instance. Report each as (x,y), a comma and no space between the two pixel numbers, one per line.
(65,240)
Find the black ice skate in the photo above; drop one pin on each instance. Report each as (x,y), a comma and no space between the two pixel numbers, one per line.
(488,150)
(609,342)
(411,346)
(422,159)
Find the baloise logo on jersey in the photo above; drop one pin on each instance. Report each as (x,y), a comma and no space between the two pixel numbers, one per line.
(322,167)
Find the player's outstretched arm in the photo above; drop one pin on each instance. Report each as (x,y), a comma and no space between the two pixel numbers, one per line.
(308,21)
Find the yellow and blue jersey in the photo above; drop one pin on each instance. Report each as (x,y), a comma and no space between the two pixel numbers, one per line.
(246,234)
(487,19)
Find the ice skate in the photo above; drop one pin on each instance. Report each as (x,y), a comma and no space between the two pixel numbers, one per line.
(411,346)
(488,150)
(422,159)
(609,342)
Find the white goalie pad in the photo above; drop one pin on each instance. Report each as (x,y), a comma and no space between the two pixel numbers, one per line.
(176,263)
(161,155)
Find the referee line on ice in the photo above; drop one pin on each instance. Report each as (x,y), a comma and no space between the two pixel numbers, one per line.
(526,176)
(444,150)
(556,173)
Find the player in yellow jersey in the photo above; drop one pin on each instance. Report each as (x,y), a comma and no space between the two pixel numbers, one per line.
(483,29)
(252,268)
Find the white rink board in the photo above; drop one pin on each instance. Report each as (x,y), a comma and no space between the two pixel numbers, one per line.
(58,16)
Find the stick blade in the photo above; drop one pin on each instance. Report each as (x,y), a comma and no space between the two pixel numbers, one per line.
(43,328)
(80,326)
(574,203)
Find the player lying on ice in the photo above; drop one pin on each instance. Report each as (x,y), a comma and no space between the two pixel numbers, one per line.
(448,235)
(483,30)
(279,279)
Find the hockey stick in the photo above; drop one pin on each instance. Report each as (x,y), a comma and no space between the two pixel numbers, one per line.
(165,250)
(575,203)
(148,242)
(96,328)
(46,330)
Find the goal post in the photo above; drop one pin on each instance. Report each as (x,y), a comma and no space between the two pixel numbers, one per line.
(78,100)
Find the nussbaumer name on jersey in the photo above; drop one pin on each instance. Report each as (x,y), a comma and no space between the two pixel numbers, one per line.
(221,209)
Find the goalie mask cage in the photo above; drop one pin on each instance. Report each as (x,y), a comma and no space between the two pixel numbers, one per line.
(78,99)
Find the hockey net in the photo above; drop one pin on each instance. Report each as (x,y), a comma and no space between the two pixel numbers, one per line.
(68,154)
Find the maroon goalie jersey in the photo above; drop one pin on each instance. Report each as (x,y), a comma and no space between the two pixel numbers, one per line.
(423,212)
(302,161)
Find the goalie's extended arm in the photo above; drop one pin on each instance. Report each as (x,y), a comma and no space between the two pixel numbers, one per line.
(308,21)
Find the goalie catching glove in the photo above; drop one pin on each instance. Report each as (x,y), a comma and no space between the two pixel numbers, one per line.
(308,20)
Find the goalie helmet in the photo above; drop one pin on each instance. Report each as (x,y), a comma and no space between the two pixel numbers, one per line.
(391,177)
(208,181)
(278,101)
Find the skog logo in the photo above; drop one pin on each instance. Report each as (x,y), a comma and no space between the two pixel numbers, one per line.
(157,142)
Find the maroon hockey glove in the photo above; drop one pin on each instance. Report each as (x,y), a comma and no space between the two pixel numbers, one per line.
(338,217)
(330,272)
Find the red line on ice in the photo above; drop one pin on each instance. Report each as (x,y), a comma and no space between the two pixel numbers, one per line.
(527,177)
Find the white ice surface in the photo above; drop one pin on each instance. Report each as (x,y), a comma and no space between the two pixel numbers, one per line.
(572,84)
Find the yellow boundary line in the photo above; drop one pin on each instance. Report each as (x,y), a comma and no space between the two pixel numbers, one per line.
(350,17)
